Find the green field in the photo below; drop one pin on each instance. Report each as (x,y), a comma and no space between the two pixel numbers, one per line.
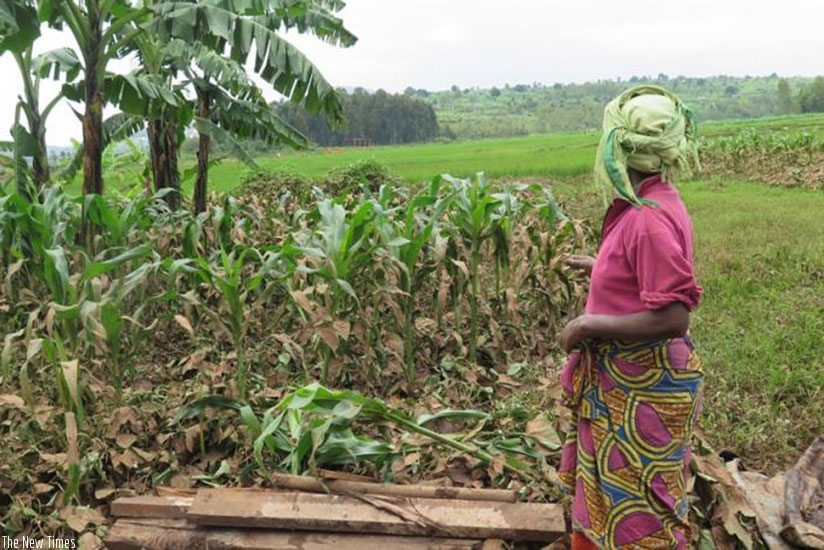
(547,156)
(810,123)
(551,156)
(760,259)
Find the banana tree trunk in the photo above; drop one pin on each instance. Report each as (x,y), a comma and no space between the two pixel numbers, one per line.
(163,150)
(40,162)
(202,155)
(93,123)
(92,120)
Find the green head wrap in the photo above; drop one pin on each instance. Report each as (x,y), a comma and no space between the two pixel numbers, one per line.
(646,128)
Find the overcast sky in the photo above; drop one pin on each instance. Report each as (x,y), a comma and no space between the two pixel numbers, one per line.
(434,44)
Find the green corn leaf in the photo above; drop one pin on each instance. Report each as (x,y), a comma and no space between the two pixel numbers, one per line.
(452,415)
(95,269)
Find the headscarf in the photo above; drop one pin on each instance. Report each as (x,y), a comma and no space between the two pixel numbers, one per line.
(649,129)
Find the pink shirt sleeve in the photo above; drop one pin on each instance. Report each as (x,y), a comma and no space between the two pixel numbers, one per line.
(662,261)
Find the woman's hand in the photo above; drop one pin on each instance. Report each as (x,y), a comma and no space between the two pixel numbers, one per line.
(575,332)
(581,263)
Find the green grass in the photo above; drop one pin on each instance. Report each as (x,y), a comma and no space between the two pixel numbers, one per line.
(555,156)
(760,259)
(547,156)
(812,123)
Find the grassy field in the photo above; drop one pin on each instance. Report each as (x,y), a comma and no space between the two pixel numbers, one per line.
(552,155)
(811,123)
(548,156)
(760,259)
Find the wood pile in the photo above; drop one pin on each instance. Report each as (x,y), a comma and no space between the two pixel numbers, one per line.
(304,513)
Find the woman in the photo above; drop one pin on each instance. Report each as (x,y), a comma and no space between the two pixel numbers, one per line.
(632,379)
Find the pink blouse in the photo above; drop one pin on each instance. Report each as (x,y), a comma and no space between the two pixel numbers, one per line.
(646,257)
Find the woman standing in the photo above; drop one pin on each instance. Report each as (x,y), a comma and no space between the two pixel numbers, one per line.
(632,379)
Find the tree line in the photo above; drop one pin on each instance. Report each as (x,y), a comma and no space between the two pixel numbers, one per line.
(808,98)
(369,119)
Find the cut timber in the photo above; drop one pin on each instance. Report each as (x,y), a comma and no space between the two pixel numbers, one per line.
(377,514)
(177,534)
(152,507)
(310,484)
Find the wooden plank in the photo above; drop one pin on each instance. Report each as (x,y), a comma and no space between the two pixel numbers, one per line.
(152,507)
(163,491)
(312,485)
(178,534)
(160,534)
(377,514)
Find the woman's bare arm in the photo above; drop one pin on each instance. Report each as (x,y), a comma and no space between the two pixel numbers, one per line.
(670,321)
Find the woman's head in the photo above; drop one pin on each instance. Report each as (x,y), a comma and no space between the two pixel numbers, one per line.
(649,130)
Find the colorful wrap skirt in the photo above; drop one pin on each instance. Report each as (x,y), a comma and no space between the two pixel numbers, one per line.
(627,454)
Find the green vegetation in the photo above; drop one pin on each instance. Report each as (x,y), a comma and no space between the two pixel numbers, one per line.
(787,151)
(760,259)
(533,156)
(554,155)
(171,313)
(544,156)
(812,123)
(371,119)
(185,49)
(180,346)
(523,109)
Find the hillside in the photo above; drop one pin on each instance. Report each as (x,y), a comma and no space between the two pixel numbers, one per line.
(524,109)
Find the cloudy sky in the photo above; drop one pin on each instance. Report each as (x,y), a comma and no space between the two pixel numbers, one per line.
(434,44)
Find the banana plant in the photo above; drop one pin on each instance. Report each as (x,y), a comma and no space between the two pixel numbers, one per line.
(219,39)
(19,29)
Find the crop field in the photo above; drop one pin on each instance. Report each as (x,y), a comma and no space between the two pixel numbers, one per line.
(197,297)
(186,350)
(812,123)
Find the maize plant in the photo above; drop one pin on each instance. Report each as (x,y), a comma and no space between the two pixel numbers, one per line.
(407,239)
(477,216)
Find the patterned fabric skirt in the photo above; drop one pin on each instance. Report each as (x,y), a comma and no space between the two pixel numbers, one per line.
(626,457)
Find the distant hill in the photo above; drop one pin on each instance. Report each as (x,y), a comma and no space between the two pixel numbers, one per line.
(523,109)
